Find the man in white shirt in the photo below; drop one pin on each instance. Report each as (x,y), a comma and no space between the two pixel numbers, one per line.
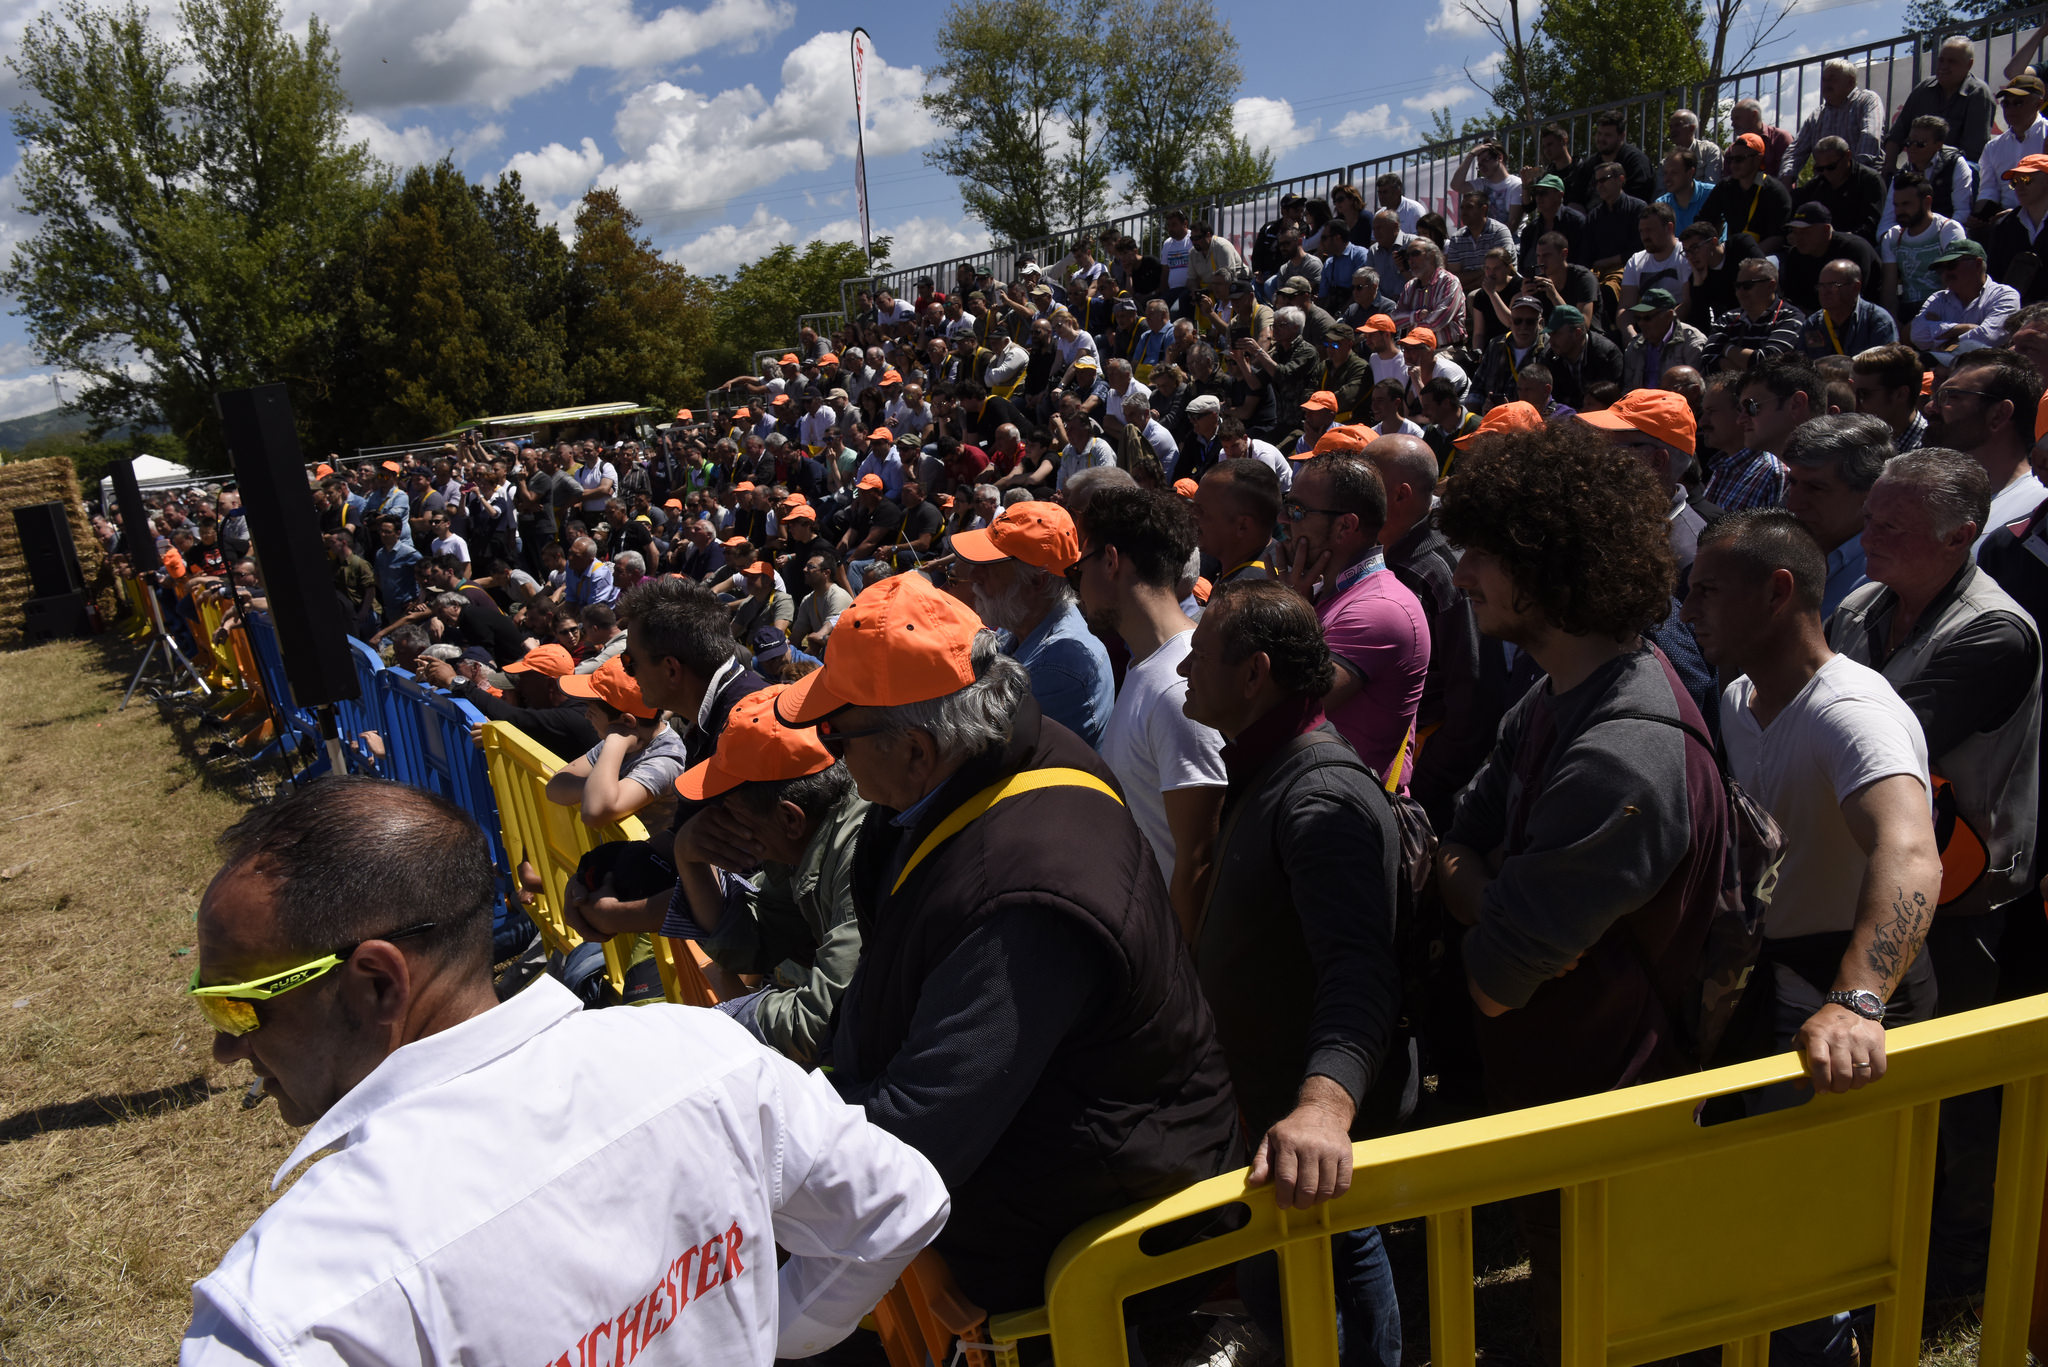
(1910,238)
(1176,249)
(2019,108)
(1134,544)
(1969,312)
(1116,374)
(646,1214)
(600,481)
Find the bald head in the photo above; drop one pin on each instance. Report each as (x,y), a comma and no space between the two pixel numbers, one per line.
(1408,469)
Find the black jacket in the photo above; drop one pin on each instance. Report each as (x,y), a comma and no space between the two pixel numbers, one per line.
(563,731)
(1133,1102)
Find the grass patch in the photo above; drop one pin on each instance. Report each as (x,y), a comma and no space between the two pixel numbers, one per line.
(127,1165)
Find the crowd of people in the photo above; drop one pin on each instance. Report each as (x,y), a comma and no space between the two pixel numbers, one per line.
(1143,718)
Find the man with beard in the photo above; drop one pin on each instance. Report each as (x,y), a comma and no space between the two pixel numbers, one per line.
(1017,569)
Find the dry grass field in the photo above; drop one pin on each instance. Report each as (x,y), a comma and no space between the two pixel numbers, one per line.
(128,1163)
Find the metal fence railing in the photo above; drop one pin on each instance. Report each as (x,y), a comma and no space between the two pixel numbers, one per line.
(1787,91)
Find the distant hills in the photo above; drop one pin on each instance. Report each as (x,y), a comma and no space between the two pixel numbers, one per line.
(16,433)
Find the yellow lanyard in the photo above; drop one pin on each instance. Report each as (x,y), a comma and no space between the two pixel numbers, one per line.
(1231,573)
(1833,340)
(1029,781)
(1754,196)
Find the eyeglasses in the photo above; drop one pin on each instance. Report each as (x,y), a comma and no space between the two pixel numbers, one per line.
(1752,407)
(1751,284)
(834,740)
(1825,166)
(229,1007)
(1297,512)
(1073,571)
(1950,391)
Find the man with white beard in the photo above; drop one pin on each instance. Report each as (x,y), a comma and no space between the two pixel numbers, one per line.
(1017,568)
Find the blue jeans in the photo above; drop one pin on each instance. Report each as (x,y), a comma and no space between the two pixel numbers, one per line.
(857,572)
(1368,1314)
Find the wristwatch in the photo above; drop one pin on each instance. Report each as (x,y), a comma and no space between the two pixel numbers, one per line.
(1864,1003)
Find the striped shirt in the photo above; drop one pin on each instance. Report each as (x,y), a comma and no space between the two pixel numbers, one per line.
(1746,479)
(1858,121)
(1438,306)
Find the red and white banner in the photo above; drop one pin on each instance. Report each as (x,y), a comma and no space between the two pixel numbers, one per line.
(862,46)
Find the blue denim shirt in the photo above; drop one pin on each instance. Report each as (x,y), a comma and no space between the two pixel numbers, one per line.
(1845,574)
(396,586)
(1070,675)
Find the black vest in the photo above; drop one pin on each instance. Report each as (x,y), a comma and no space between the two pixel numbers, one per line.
(1136,1102)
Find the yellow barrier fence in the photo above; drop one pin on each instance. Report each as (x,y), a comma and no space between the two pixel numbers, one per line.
(554,839)
(1676,1236)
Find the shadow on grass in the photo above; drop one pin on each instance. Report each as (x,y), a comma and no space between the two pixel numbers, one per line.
(204,744)
(96,1111)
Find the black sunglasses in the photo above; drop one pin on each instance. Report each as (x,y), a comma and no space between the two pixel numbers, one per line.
(834,740)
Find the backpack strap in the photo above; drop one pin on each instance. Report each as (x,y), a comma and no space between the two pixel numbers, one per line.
(1705,743)
(1014,785)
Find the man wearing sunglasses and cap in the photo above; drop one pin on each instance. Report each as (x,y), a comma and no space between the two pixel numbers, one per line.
(358,986)
(1020,569)
(1025,1012)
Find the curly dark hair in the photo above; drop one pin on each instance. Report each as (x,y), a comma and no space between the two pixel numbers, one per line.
(1578,526)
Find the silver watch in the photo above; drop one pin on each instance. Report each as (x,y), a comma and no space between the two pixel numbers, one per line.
(1864,1003)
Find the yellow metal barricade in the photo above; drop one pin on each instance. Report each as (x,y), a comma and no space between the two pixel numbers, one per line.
(1675,1236)
(136,624)
(554,839)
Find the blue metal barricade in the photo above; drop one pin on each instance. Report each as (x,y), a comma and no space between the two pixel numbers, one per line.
(365,712)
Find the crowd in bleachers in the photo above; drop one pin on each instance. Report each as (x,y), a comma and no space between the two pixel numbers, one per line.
(1148,715)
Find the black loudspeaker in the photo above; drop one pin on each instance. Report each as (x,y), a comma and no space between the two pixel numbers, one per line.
(47,547)
(136,541)
(63,614)
(286,531)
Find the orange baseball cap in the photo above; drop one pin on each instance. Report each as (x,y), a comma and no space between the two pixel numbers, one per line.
(1185,487)
(802,512)
(1752,142)
(756,747)
(788,358)
(779,398)
(1654,412)
(551,660)
(829,358)
(1322,399)
(675,503)
(393,466)
(1379,322)
(2031,165)
(1504,417)
(734,541)
(1039,533)
(890,377)
(1420,337)
(759,567)
(745,486)
(902,641)
(1344,439)
(682,415)
(870,481)
(880,434)
(609,683)
(741,413)
(323,470)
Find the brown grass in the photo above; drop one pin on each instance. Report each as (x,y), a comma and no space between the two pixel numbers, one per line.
(127,1164)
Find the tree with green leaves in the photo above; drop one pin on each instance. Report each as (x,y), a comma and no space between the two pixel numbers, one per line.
(193,194)
(1171,72)
(1007,84)
(757,306)
(637,324)
(1581,44)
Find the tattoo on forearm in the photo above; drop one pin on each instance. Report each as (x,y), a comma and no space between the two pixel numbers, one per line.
(1897,940)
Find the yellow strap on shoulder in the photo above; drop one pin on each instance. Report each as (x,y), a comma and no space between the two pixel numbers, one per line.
(1030,781)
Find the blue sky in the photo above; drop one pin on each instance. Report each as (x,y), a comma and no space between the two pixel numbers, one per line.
(727,124)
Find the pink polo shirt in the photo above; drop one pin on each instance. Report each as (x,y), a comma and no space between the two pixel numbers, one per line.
(1375,628)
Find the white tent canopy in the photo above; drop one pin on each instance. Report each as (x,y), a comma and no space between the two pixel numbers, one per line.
(151,472)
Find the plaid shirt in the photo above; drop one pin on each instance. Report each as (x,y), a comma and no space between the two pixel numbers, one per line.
(1858,121)
(1439,306)
(1747,479)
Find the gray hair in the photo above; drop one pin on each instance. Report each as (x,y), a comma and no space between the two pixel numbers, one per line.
(976,718)
(1856,445)
(1686,117)
(1291,316)
(1831,143)
(982,491)
(1116,365)
(1017,494)
(411,634)
(1836,66)
(1953,486)
(1189,574)
(583,543)
(446,654)
(1082,486)
(450,599)
(633,558)
(1955,41)
(1368,275)
(1765,267)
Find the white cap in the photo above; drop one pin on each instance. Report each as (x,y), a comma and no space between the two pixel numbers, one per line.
(1027,268)
(1203,404)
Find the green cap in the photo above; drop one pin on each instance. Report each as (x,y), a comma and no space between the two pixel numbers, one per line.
(1565,316)
(1956,251)
(1653,301)
(1549,183)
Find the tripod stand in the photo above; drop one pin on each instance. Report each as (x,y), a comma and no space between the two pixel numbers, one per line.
(174,658)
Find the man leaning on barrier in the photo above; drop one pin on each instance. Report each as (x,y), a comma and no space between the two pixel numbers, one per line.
(356,980)
(1025,1012)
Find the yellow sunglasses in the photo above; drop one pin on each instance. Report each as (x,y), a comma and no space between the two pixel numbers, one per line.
(230,1007)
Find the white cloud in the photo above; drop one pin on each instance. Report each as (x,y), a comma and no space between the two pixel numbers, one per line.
(1376,122)
(1447,97)
(406,53)
(728,246)
(684,154)
(22,393)
(1451,18)
(1270,124)
(556,173)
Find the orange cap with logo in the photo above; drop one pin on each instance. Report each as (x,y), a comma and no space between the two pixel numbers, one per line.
(902,641)
(1038,533)
(870,481)
(880,434)
(1504,417)
(550,660)
(756,747)
(1657,413)
(610,683)
(1185,487)
(1322,399)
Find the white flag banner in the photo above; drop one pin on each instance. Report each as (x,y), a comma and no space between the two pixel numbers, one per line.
(862,46)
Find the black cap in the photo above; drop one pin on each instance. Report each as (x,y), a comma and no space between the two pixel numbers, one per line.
(1812,214)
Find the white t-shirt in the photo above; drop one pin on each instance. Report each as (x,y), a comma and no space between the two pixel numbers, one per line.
(895,312)
(451,544)
(1847,729)
(1914,256)
(2015,501)
(594,474)
(1173,255)
(1501,197)
(1647,272)
(1154,749)
(1114,407)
